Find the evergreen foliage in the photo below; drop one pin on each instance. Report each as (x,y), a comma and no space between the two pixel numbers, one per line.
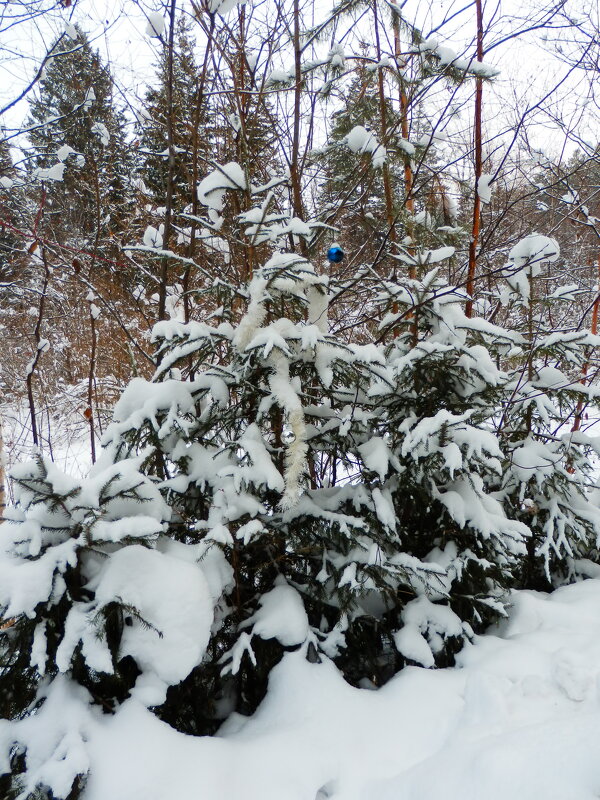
(76,620)
(370,499)
(445,393)
(9,214)
(193,134)
(549,463)
(352,189)
(78,136)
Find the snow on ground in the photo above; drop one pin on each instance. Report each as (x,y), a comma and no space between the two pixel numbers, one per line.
(518,719)
(64,438)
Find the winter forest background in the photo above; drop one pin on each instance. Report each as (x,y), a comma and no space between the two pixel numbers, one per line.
(298,358)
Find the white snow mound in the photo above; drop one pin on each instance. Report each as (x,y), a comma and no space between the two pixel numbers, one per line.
(519,717)
(169,634)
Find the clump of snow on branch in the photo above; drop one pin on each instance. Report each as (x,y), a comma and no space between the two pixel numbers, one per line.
(168,635)
(101,131)
(223,7)
(53,173)
(360,140)
(281,616)
(484,188)
(525,262)
(447,57)
(211,190)
(153,237)
(89,99)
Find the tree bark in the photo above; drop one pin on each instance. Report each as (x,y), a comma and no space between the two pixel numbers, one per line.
(471,270)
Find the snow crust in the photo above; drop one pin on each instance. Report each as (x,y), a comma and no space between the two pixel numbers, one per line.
(518,718)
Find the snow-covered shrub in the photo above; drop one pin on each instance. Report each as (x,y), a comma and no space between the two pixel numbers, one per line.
(549,468)
(96,605)
(255,454)
(439,397)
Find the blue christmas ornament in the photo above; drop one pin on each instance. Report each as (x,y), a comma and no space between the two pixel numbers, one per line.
(335,254)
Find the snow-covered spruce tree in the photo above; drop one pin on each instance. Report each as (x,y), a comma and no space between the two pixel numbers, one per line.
(95,604)
(255,454)
(438,453)
(548,468)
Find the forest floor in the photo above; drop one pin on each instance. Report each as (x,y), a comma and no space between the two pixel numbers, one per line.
(518,718)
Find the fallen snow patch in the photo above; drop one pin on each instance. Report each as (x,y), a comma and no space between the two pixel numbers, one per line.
(519,717)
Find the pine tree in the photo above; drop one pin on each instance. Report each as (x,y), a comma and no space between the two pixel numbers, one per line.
(385,185)
(353,187)
(79,193)
(79,148)
(193,132)
(9,214)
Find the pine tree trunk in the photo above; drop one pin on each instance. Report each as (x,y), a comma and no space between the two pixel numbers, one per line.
(164,271)
(478,166)
(2,474)
(586,366)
